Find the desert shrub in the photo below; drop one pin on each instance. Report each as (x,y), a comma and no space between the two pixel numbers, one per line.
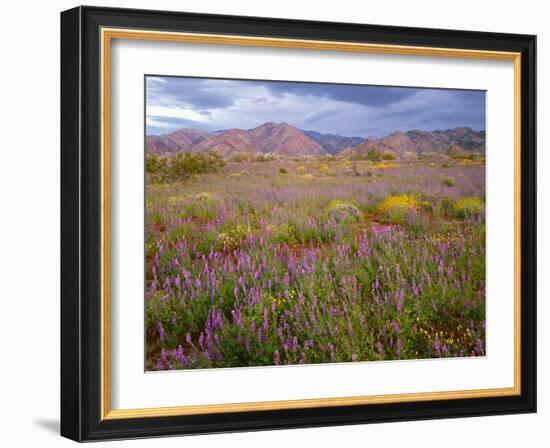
(472,156)
(371,154)
(469,207)
(388,156)
(455,152)
(383,166)
(186,164)
(447,181)
(182,166)
(302,169)
(239,158)
(344,212)
(324,169)
(410,155)
(264,158)
(286,233)
(203,197)
(447,206)
(174,200)
(201,205)
(156,167)
(232,234)
(446,165)
(374,155)
(283,170)
(396,209)
(415,224)
(426,203)
(239,174)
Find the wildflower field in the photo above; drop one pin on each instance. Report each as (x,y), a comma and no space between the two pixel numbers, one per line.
(315,261)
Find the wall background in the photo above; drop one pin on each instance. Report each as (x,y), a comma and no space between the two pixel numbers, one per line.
(29,224)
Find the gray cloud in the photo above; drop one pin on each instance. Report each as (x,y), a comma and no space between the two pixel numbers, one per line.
(186,91)
(318,116)
(373,96)
(349,110)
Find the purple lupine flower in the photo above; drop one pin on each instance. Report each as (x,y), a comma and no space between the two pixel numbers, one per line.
(161,331)
(180,356)
(266,320)
(188,339)
(400,297)
(286,346)
(237,317)
(353,357)
(295,343)
(201,341)
(479,347)
(276,358)
(437,346)
(399,347)
(395,326)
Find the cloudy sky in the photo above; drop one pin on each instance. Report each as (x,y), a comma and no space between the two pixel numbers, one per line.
(351,110)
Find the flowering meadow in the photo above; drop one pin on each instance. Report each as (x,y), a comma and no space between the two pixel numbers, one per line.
(311,261)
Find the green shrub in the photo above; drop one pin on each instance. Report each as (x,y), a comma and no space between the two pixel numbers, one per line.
(182,166)
(455,152)
(371,153)
(447,181)
(447,206)
(283,170)
(396,209)
(239,158)
(344,212)
(324,169)
(416,224)
(469,207)
(264,158)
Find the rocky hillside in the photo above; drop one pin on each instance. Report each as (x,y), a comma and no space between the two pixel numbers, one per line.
(284,140)
(274,138)
(332,143)
(420,142)
(175,141)
(227,143)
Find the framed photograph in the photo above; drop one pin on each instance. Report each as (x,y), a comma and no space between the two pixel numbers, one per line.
(276,224)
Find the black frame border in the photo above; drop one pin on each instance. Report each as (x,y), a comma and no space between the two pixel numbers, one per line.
(81,223)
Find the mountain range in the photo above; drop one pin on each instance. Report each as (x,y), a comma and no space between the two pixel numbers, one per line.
(284,140)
